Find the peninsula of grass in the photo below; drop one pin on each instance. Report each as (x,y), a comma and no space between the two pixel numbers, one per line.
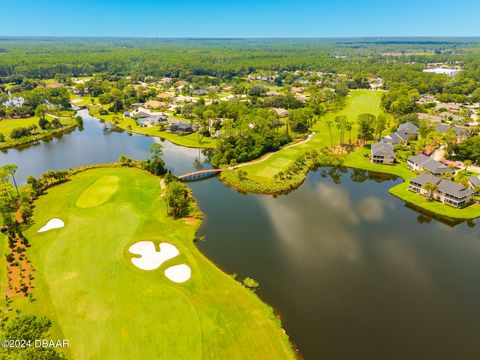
(128,124)
(7,125)
(260,175)
(110,309)
(359,160)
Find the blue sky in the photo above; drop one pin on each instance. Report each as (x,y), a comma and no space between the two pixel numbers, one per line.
(261,18)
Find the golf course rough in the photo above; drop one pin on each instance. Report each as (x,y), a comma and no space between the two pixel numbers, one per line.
(109,309)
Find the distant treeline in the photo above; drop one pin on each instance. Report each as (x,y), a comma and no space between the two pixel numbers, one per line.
(44,58)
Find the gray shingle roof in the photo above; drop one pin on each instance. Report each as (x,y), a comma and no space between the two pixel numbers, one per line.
(436,167)
(450,188)
(422,179)
(392,138)
(474,180)
(418,159)
(442,127)
(382,149)
(408,128)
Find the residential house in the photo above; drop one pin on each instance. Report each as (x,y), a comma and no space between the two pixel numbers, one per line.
(422,162)
(54,85)
(165,96)
(461,132)
(153,104)
(443,71)
(181,126)
(453,194)
(429,117)
(14,102)
(448,192)
(395,138)
(151,120)
(474,181)
(281,112)
(382,153)
(408,129)
(417,184)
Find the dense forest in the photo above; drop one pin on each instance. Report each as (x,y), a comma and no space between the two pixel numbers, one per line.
(261,75)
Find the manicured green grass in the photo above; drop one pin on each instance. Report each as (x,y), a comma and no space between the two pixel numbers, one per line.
(109,309)
(359,102)
(358,159)
(7,125)
(190,140)
(99,192)
(85,100)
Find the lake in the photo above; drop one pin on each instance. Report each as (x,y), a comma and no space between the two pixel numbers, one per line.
(353,272)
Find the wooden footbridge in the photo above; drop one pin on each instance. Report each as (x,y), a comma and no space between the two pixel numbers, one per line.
(202,174)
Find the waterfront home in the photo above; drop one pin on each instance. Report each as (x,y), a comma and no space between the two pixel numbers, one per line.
(422,162)
(446,191)
(151,120)
(453,194)
(181,126)
(417,184)
(382,153)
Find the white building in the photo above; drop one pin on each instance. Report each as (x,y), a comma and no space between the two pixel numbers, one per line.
(443,71)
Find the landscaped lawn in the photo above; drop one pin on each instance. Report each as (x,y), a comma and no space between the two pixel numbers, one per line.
(109,309)
(190,140)
(359,160)
(359,102)
(7,125)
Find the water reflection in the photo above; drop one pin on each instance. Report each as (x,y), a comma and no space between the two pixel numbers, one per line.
(97,143)
(351,269)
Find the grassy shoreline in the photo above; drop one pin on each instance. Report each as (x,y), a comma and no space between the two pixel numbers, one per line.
(6,125)
(260,175)
(128,124)
(260,178)
(359,160)
(209,316)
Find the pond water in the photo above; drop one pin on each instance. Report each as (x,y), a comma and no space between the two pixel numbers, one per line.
(98,142)
(353,272)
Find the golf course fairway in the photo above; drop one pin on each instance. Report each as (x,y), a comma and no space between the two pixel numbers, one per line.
(107,308)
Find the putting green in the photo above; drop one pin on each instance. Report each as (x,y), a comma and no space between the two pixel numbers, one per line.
(109,309)
(99,192)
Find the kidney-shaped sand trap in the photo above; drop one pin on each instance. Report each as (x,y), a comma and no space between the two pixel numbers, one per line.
(99,192)
(150,258)
(178,273)
(52,224)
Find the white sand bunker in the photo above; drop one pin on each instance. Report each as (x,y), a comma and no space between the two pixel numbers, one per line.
(150,258)
(178,273)
(52,224)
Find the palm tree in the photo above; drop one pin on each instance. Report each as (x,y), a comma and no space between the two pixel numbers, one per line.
(348,127)
(431,189)
(329,124)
